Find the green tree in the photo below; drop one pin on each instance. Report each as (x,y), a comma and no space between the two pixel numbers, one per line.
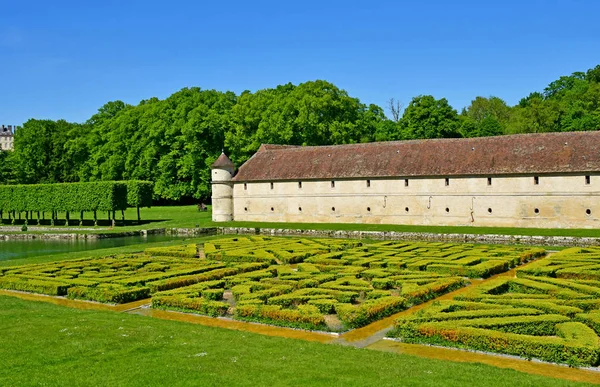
(39,151)
(485,117)
(6,169)
(534,114)
(312,113)
(427,117)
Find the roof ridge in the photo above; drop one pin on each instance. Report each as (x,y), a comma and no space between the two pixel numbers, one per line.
(277,147)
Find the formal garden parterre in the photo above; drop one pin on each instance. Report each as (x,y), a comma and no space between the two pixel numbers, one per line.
(322,284)
(549,311)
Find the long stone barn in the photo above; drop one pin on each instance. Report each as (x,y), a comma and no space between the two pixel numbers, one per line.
(549,180)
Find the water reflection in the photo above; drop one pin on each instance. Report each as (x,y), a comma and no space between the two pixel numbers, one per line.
(16,249)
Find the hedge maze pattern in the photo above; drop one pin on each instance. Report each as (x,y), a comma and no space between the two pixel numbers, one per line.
(550,311)
(335,284)
(323,284)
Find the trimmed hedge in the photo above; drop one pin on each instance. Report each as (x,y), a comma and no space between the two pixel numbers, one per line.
(356,316)
(108,293)
(305,317)
(139,193)
(186,304)
(184,251)
(93,196)
(576,344)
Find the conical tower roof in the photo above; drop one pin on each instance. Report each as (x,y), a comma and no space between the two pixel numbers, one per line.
(223,162)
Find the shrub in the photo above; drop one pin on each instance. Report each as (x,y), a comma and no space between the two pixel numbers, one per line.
(108,293)
(183,303)
(47,286)
(305,318)
(325,305)
(184,251)
(177,282)
(357,316)
(576,345)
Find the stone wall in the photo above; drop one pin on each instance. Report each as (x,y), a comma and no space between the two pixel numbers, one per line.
(374,235)
(546,201)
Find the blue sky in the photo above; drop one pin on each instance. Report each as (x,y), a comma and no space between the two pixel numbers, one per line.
(65,59)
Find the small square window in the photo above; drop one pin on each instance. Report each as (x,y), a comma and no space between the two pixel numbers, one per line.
(272,185)
(447,180)
(332,184)
(368,183)
(489,179)
(300,184)
(536,180)
(406,182)
(588,180)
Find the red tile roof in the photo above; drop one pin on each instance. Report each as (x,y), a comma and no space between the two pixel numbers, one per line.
(223,162)
(541,153)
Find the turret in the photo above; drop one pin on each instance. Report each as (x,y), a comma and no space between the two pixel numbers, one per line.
(222,189)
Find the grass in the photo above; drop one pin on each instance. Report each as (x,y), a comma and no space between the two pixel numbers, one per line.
(189,216)
(44,344)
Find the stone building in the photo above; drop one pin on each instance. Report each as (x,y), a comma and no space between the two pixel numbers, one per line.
(6,138)
(549,180)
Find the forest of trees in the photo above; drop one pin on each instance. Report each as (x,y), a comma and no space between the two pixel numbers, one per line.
(172,142)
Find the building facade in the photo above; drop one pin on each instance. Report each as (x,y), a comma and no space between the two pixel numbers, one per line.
(549,180)
(6,138)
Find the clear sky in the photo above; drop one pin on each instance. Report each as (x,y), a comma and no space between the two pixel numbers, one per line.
(65,59)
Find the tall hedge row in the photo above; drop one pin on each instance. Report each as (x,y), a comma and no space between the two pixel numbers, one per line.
(93,196)
(139,193)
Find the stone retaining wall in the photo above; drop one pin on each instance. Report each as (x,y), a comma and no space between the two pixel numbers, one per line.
(375,235)
(60,236)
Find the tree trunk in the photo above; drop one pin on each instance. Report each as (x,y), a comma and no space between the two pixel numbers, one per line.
(67,218)
(138,214)
(81,219)
(95,219)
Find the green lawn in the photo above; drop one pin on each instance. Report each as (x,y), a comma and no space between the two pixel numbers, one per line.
(189,216)
(44,344)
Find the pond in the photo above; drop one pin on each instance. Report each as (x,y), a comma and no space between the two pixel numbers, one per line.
(16,249)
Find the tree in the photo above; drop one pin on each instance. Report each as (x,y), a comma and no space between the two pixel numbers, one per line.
(534,114)
(485,117)
(556,89)
(482,108)
(395,108)
(427,117)
(312,113)
(6,170)
(39,154)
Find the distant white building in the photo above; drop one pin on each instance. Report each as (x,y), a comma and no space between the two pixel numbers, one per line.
(7,138)
(547,180)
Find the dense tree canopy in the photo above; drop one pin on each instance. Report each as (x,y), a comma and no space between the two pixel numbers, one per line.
(172,142)
(312,113)
(427,117)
